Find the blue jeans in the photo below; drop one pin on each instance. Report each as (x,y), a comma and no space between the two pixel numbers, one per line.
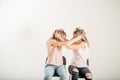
(60,70)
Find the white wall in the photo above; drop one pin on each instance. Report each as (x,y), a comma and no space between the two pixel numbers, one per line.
(25,26)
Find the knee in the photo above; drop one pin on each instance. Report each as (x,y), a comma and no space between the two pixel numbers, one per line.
(61,70)
(75,70)
(62,74)
(88,75)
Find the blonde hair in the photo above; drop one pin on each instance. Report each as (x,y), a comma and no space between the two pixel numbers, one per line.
(78,32)
(62,33)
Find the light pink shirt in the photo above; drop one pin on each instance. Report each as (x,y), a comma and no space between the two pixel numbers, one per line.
(54,56)
(80,57)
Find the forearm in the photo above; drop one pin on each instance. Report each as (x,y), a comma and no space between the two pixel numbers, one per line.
(70,42)
(63,43)
(56,43)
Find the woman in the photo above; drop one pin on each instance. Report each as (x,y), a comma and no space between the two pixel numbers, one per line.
(54,58)
(80,49)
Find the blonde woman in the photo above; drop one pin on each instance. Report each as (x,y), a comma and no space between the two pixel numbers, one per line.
(80,48)
(54,58)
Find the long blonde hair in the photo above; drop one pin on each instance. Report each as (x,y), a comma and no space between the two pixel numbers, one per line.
(78,32)
(62,33)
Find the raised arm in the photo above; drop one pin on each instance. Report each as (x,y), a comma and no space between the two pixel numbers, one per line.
(70,42)
(77,46)
(56,43)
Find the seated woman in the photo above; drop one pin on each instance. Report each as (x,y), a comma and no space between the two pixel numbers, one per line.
(54,59)
(80,48)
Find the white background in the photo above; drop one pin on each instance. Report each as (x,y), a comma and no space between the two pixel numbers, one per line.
(26,25)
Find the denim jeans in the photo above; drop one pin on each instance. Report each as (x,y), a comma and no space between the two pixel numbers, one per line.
(60,70)
(82,72)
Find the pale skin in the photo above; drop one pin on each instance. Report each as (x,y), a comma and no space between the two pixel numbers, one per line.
(72,46)
(54,42)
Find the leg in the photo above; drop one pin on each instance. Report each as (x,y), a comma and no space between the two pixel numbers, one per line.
(88,76)
(86,72)
(49,72)
(61,71)
(74,71)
